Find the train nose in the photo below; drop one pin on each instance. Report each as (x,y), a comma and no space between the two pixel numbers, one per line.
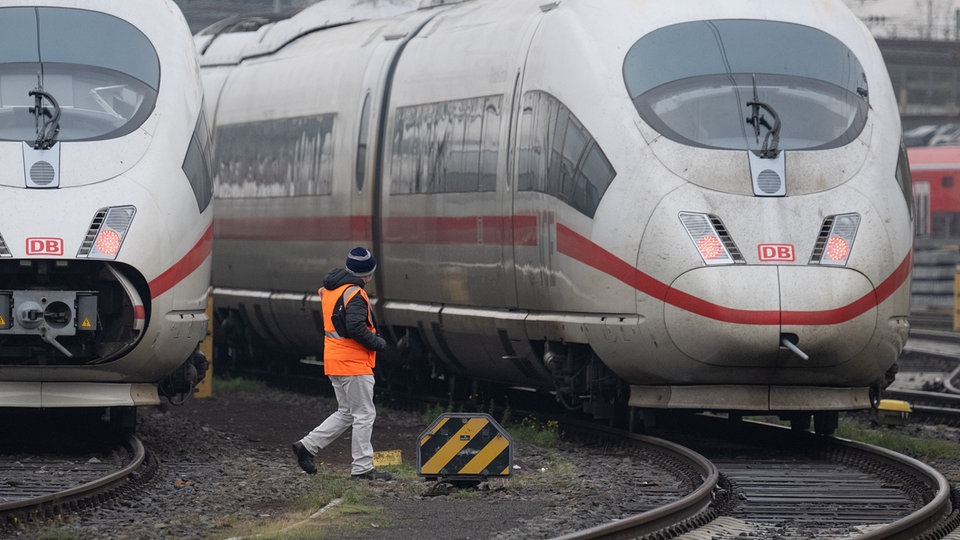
(738,316)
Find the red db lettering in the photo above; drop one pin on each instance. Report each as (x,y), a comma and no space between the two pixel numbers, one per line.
(45,246)
(776,252)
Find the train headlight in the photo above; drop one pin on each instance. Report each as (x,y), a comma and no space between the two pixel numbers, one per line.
(710,238)
(107,243)
(835,242)
(106,232)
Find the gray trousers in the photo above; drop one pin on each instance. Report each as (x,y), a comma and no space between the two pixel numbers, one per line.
(355,408)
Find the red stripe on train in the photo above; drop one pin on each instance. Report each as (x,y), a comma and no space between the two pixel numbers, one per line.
(185,266)
(496,230)
(469,230)
(582,249)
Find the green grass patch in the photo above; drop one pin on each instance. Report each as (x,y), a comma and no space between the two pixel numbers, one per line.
(351,514)
(57,533)
(899,442)
(889,438)
(237,386)
(533,431)
(434,411)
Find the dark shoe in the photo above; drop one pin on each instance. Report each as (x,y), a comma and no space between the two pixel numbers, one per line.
(373,474)
(304,458)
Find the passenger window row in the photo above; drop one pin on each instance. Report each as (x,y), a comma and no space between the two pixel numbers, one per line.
(289,157)
(441,147)
(557,155)
(446,147)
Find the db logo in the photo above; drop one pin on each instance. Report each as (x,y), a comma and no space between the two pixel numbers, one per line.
(44,246)
(776,252)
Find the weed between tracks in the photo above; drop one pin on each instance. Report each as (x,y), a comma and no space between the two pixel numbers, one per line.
(889,438)
(335,506)
(338,506)
(237,385)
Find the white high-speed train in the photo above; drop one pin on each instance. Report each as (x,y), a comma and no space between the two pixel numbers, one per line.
(107,229)
(660,204)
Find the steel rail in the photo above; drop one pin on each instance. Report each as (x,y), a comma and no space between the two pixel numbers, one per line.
(61,497)
(927,517)
(928,484)
(686,508)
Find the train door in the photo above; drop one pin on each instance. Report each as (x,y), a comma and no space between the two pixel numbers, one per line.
(365,191)
(534,227)
(445,143)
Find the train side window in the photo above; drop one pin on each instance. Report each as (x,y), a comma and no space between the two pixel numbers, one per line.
(536,127)
(289,157)
(947,181)
(593,177)
(490,145)
(554,167)
(402,171)
(528,153)
(361,169)
(558,156)
(464,120)
(446,147)
(575,142)
(196,164)
(904,178)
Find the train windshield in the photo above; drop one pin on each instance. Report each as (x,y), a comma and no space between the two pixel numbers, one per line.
(727,84)
(96,83)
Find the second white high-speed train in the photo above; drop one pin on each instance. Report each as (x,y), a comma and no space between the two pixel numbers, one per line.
(660,204)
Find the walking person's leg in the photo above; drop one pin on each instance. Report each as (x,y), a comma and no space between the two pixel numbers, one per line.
(358,392)
(328,431)
(336,423)
(359,395)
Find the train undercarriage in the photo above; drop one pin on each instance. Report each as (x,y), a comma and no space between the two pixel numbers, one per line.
(579,382)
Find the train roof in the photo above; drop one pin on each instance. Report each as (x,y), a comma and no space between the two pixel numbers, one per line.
(230,41)
(934,157)
(246,36)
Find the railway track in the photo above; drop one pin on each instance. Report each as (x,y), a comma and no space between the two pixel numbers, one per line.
(749,481)
(929,377)
(38,486)
(789,484)
(692,505)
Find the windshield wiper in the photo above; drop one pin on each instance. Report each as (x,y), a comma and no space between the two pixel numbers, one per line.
(48,131)
(771,141)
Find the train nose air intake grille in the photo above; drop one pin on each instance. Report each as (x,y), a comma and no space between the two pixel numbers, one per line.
(769,182)
(88,240)
(768,175)
(4,250)
(42,173)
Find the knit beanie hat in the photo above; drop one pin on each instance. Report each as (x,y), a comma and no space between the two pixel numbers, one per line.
(360,262)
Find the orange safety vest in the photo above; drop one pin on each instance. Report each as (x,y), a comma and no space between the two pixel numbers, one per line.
(342,355)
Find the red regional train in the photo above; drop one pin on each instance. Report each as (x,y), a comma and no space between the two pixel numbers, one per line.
(936,189)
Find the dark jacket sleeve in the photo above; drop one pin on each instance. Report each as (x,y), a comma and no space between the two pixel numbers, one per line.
(356,318)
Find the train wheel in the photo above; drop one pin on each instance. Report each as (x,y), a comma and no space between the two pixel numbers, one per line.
(641,420)
(826,423)
(799,422)
(123,419)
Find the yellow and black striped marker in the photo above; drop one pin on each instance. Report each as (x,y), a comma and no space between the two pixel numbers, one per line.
(464,446)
